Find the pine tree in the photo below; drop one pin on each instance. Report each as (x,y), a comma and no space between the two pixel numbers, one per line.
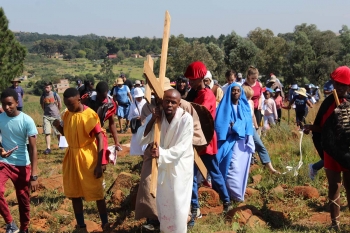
(12,53)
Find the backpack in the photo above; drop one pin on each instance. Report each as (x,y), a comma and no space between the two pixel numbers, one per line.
(54,96)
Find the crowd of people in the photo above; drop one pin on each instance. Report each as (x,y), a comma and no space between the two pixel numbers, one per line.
(242,111)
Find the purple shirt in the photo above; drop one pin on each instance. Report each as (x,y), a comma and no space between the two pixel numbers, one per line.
(20,93)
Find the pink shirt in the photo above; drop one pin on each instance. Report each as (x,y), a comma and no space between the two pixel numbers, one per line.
(270,106)
(279,102)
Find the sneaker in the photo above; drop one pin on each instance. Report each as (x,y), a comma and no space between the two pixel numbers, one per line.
(191,223)
(312,172)
(47,151)
(12,228)
(199,214)
(149,227)
(227,207)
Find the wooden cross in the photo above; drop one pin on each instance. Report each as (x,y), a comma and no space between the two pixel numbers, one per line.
(158,89)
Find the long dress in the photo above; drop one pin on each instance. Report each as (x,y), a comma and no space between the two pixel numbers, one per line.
(135,111)
(175,170)
(81,155)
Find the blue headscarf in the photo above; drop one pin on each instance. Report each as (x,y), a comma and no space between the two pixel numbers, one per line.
(243,125)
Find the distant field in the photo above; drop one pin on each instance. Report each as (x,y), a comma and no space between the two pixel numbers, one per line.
(53,66)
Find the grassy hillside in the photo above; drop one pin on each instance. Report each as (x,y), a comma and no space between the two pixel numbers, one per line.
(52,67)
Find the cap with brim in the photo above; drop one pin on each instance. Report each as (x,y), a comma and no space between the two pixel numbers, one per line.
(301,91)
(277,90)
(16,80)
(120,81)
(137,82)
(138,92)
(272,80)
(270,90)
(341,75)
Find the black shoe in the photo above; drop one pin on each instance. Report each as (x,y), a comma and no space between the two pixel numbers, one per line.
(227,207)
(191,223)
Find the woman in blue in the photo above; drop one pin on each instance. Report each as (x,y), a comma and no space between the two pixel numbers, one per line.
(234,127)
(123,98)
(301,102)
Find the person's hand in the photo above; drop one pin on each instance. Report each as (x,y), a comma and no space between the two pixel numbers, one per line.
(98,171)
(34,185)
(56,123)
(156,113)
(118,147)
(307,129)
(155,151)
(5,153)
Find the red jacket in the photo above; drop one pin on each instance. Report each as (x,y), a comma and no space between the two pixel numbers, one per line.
(207,98)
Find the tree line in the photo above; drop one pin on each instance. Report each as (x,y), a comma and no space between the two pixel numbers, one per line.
(305,55)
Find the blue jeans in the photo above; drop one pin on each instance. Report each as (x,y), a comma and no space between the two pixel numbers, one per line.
(261,149)
(217,180)
(318,166)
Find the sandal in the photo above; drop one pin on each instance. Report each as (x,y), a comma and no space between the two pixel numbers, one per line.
(335,222)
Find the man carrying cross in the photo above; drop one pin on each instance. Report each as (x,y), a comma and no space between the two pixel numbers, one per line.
(175,157)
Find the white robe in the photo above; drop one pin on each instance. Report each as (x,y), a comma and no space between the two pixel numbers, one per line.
(135,147)
(175,170)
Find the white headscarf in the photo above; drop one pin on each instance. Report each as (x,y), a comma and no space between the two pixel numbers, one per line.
(209,76)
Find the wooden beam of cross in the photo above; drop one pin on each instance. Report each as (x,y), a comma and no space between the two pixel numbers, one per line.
(158,89)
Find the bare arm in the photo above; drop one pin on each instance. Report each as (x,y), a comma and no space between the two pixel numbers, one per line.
(309,103)
(130,97)
(58,126)
(113,129)
(98,169)
(33,156)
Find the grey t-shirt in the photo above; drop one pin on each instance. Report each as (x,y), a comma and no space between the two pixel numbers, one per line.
(50,101)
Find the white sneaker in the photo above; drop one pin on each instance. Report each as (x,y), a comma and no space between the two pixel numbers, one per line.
(312,172)
(199,214)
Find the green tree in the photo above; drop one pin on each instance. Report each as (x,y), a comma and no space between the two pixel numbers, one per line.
(187,53)
(344,53)
(12,53)
(81,54)
(49,47)
(218,56)
(272,51)
(239,52)
(300,59)
(107,71)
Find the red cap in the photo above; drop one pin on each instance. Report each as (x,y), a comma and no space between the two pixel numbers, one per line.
(196,70)
(341,75)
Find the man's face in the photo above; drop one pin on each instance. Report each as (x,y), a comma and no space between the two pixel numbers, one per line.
(15,84)
(341,89)
(206,81)
(48,88)
(72,103)
(170,103)
(9,104)
(101,96)
(195,83)
(231,79)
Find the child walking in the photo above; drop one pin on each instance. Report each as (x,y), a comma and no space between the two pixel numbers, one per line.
(301,102)
(279,104)
(270,111)
(82,163)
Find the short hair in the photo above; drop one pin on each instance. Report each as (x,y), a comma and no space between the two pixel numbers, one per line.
(229,73)
(9,92)
(102,87)
(248,91)
(71,92)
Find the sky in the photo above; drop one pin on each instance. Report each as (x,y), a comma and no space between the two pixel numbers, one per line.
(193,18)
